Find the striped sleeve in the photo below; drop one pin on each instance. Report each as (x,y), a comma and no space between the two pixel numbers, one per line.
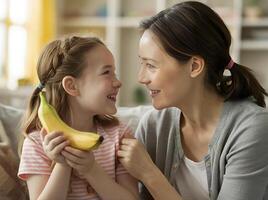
(33,159)
(123,130)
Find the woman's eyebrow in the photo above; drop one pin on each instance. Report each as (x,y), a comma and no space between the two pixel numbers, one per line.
(146,59)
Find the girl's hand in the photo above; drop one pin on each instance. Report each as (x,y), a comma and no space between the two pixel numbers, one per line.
(81,161)
(53,144)
(135,158)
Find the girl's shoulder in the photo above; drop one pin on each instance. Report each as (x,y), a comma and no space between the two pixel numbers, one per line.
(35,137)
(116,130)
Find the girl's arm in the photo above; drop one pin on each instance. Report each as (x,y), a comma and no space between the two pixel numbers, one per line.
(42,186)
(103,184)
(48,187)
(54,186)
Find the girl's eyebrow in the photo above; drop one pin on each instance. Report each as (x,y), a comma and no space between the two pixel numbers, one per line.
(106,67)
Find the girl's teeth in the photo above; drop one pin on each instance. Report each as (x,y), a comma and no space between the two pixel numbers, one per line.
(112,97)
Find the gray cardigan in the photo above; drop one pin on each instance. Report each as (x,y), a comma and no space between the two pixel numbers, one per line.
(237,160)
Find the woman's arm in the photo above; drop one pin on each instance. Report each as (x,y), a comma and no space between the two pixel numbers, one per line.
(48,187)
(138,163)
(107,188)
(129,182)
(246,169)
(103,184)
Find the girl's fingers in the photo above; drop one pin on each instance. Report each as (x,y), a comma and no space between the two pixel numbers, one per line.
(43,133)
(76,152)
(69,156)
(60,147)
(55,142)
(50,136)
(72,164)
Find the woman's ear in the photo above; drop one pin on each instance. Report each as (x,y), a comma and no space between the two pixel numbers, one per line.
(197,66)
(70,86)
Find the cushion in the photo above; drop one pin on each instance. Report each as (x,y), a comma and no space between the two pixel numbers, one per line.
(132,115)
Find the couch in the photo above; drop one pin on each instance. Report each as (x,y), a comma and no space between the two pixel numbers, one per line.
(11,187)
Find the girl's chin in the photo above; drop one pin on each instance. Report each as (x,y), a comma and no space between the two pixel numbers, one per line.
(112,110)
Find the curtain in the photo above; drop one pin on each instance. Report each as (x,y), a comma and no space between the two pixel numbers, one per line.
(41,29)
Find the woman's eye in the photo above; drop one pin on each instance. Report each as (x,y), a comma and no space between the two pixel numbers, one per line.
(150,66)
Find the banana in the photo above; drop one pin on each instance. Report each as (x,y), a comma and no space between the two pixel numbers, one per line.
(51,121)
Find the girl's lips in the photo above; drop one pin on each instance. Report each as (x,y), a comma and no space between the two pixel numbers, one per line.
(112,97)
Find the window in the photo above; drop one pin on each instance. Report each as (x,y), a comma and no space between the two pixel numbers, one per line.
(13,40)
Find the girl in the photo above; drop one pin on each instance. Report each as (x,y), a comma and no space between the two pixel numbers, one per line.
(209,139)
(78,76)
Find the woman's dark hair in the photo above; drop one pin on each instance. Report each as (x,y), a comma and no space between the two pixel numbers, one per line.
(193,29)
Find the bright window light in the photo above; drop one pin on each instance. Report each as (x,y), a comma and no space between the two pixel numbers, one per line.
(3,9)
(18,11)
(2,47)
(16,54)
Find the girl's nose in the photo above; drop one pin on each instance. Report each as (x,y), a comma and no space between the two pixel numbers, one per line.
(117,83)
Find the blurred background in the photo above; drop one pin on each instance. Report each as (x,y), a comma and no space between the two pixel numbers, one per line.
(27,25)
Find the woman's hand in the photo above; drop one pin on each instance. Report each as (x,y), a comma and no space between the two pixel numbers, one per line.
(135,158)
(53,145)
(81,161)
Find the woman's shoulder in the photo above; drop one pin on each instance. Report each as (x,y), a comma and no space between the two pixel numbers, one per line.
(166,115)
(158,124)
(247,111)
(247,120)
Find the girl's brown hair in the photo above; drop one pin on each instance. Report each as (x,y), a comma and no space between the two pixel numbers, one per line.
(60,58)
(192,28)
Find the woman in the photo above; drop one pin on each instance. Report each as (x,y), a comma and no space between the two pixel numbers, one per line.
(208,137)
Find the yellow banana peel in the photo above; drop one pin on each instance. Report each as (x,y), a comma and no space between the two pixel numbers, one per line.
(51,121)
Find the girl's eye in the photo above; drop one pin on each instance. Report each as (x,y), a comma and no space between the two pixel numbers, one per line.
(106,72)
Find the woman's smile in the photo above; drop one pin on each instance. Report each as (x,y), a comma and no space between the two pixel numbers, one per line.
(154,93)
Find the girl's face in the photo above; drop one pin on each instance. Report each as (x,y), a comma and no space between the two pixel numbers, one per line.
(98,85)
(167,80)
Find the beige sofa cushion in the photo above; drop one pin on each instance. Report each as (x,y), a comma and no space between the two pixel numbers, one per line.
(10,186)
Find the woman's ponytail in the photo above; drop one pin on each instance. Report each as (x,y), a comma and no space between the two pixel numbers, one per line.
(245,84)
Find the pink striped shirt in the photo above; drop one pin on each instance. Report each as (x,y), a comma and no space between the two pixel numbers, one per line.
(35,161)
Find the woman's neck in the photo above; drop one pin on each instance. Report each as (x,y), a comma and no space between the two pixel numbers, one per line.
(202,111)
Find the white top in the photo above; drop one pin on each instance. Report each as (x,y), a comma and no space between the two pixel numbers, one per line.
(191,180)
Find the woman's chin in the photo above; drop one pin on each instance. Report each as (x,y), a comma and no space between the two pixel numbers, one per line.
(158,106)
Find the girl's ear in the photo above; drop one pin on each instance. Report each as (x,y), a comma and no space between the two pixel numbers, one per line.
(69,85)
(197,66)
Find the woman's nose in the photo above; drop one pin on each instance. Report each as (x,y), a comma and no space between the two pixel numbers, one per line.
(142,76)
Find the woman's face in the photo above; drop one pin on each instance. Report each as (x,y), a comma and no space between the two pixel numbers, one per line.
(167,80)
